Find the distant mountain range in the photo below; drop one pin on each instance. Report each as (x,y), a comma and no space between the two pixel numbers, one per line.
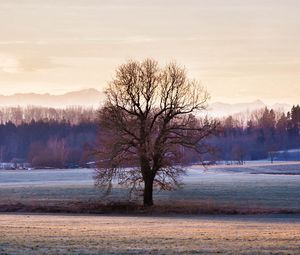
(93,98)
(225,109)
(87,97)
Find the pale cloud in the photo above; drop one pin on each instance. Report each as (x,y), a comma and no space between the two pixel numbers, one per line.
(35,63)
(12,64)
(9,64)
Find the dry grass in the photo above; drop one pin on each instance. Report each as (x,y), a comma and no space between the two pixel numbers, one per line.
(46,234)
(184,207)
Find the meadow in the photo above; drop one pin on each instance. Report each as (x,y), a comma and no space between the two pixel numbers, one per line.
(61,234)
(252,186)
(254,195)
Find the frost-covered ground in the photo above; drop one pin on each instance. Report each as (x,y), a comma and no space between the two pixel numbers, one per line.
(252,185)
(60,234)
(194,173)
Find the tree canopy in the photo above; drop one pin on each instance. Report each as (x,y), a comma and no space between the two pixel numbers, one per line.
(149,118)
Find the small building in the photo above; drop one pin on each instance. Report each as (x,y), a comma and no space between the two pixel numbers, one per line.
(7,165)
(15,164)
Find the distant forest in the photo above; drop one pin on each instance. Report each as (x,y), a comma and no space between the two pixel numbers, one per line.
(259,135)
(48,137)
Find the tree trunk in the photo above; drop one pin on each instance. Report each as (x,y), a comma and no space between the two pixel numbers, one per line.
(148,191)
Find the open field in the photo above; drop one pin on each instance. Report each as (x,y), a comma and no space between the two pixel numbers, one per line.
(254,188)
(256,185)
(48,234)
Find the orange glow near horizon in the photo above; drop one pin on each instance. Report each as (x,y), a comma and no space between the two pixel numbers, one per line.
(240,50)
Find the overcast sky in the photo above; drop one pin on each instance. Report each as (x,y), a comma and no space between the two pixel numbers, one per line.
(240,50)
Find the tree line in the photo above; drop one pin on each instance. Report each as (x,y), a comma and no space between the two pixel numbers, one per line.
(56,139)
(259,136)
(73,115)
(46,143)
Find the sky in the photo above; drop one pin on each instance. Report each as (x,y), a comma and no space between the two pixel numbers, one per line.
(240,50)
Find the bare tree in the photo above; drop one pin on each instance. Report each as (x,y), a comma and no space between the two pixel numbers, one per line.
(54,154)
(147,122)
